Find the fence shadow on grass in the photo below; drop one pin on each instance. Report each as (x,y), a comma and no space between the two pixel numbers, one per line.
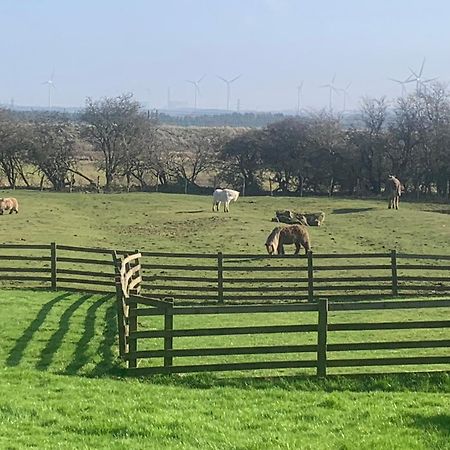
(395,382)
(90,324)
(55,341)
(437,423)
(17,352)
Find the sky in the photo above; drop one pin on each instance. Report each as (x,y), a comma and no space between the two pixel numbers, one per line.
(101,48)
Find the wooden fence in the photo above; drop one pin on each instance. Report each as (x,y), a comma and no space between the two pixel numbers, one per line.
(150,347)
(231,278)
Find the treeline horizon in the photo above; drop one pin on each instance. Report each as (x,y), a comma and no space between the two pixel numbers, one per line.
(312,154)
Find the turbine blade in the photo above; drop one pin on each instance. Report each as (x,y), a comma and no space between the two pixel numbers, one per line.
(334,78)
(421,67)
(223,79)
(235,78)
(204,75)
(414,73)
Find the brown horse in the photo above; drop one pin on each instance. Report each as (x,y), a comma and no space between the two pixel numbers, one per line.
(395,191)
(10,204)
(292,234)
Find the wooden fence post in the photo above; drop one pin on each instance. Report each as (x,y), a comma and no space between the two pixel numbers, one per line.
(310,277)
(122,319)
(322,330)
(220,276)
(168,338)
(132,326)
(53,265)
(394,272)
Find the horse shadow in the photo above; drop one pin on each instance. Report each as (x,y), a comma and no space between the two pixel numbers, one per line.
(351,210)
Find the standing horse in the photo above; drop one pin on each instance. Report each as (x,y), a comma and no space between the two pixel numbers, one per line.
(224,196)
(292,234)
(395,191)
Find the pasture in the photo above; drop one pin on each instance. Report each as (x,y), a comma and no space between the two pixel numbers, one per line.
(62,382)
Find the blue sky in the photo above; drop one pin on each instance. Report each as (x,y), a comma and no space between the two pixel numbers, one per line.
(104,48)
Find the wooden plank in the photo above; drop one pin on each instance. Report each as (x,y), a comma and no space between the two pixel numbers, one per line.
(310,276)
(421,267)
(132,331)
(260,269)
(179,255)
(143,300)
(414,287)
(85,281)
(25,269)
(223,367)
(264,280)
(268,329)
(24,278)
(130,258)
(135,282)
(103,251)
(171,287)
(413,278)
(350,255)
(121,308)
(395,304)
(417,256)
(356,346)
(401,361)
(177,267)
(228,351)
(84,261)
(350,279)
(234,309)
(87,273)
(25,246)
(363,287)
(178,278)
(24,258)
(389,325)
(355,267)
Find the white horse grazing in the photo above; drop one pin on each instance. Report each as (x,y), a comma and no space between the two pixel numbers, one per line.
(224,196)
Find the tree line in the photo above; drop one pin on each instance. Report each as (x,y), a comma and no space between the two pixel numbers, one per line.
(310,154)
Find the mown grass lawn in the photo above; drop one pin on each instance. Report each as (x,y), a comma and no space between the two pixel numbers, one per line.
(62,385)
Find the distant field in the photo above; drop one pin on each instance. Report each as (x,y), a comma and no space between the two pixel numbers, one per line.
(62,384)
(176,222)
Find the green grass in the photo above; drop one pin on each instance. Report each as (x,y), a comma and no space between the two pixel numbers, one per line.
(62,384)
(62,387)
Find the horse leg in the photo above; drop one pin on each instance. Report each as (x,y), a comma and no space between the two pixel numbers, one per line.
(297,248)
(226,207)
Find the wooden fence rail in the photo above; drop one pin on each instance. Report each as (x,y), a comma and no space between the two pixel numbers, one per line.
(231,278)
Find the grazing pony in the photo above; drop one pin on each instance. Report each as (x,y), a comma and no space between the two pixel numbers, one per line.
(10,204)
(224,196)
(292,234)
(395,190)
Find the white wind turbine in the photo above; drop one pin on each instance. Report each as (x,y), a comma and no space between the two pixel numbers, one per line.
(417,77)
(345,94)
(332,89)
(196,89)
(402,83)
(228,83)
(299,96)
(51,85)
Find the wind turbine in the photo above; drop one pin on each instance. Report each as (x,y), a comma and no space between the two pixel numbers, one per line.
(228,83)
(402,83)
(417,77)
(51,85)
(332,89)
(196,89)
(299,96)
(345,94)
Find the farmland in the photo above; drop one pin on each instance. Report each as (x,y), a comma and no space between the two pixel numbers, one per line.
(63,384)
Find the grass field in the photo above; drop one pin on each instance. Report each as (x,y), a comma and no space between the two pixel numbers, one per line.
(62,385)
